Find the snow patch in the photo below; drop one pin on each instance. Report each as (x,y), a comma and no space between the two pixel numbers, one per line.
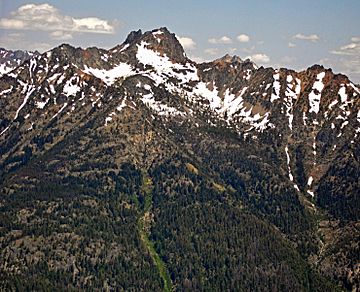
(304,118)
(121,70)
(163,67)
(161,109)
(109,118)
(4,69)
(61,79)
(52,89)
(291,177)
(315,94)
(124,48)
(53,77)
(231,103)
(310,181)
(31,68)
(292,92)
(276,87)
(212,96)
(62,108)
(311,193)
(333,103)
(314,149)
(31,127)
(71,86)
(248,74)
(105,57)
(344,124)
(342,93)
(122,105)
(355,88)
(3,131)
(24,102)
(41,104)
(156,35)
(6,91)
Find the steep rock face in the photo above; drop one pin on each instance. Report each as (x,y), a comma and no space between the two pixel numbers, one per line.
(92,124)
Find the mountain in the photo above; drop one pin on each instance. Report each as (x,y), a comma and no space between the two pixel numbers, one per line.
(9,60)
(135,168)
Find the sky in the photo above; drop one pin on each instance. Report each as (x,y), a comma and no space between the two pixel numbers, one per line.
(277,33)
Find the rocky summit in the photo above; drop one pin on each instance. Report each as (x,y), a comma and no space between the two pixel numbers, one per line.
(137,169)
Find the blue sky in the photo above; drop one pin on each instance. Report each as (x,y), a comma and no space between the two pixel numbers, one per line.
(278,33)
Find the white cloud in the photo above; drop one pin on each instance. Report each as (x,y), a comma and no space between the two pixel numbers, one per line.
(352,66)
(222,40)
(310,37)
(212,51)
(186,42)
(61,35)
(243,38)
(45,17)
(291,45)
(349,47)
(347,58)
(259,58)
(352,49)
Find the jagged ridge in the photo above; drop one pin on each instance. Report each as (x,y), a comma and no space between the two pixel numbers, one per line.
(307,119)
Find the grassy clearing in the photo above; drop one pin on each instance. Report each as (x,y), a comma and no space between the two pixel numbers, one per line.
(147,189)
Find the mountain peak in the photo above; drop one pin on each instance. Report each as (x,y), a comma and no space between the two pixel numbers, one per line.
(230,59)
(160,40)
(133,36)
(162,30)
(165,43)
(65,49)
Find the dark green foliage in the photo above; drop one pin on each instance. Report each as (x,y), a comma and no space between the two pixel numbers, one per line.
(258,184)
(95,237)
(339,189)
(209,244)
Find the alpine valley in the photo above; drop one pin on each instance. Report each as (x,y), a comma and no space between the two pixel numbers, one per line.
(137,169)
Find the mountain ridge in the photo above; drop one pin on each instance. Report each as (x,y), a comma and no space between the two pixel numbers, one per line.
(268,141)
